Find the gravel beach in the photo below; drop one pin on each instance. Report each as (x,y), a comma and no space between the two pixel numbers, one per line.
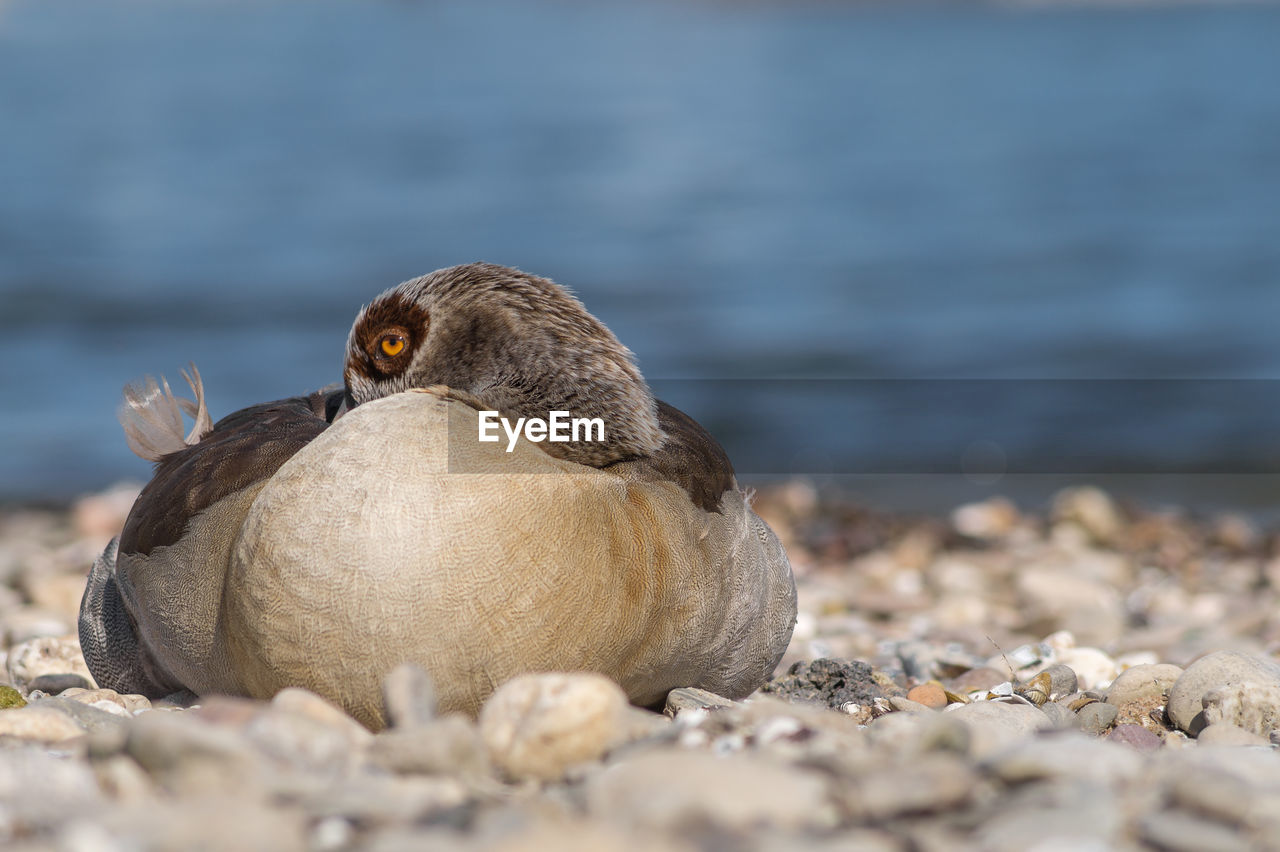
(1093,676)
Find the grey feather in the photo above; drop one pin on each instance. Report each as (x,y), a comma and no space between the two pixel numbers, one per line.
(152,416)
(107,638)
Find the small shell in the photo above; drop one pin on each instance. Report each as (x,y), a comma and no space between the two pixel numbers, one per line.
(1037,692)
(1082,702)
(955,697)
(881,707)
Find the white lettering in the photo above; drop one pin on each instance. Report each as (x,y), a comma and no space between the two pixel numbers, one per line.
(587,426)
(487,422)
(559,428)
(512,434)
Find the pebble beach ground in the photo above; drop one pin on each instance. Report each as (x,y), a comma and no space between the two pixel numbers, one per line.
(1090,677)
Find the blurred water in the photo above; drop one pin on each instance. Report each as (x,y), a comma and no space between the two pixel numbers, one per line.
(740,192)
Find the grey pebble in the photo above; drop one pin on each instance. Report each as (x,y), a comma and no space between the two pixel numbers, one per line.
(943,733)
(994,725)
(302,742)
(53,684)
(87,716)
(1177,831)
(692,698)
(236,822)
(1253,707)
(1069,755)
(1060,716)
(1090,818)
(1210,672)
(408,696)
(1096,717)
(906,705)
(1062,680)
(385,799)
(187,755)
(1215,794)
(675,790)
(1143,683)
(1135,736)
(42,788)
(899,732)
(929,784)
(450,745)
(1226,734)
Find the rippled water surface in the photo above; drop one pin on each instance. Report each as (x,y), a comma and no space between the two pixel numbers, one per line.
(741,192)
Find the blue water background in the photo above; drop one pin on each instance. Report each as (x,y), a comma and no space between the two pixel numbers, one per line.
(740,191)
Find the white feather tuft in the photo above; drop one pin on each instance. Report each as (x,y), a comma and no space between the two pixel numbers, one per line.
(152,416)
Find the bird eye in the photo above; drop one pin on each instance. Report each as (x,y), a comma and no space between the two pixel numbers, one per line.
(391,345)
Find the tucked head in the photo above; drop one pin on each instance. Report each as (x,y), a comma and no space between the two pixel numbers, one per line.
(519,344)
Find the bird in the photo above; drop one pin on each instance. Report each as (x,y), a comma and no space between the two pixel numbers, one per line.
(320,541)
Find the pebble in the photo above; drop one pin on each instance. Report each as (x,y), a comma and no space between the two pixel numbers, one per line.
(1059,716)
(1176,831)
(27,624)
(1092,509)
(539,725)
(1143,684)
(679,791)
(1061,595)
(39,790)
(408,696)
(994,725)
(1226,734)
(383,799)
(901,732)
(1062,680)
(1096,717)
(447,745)
(1134,736)
(828,682)
(802,764)
(927,784)
(1218,669)
(1253,707)
(221,821)
(989,519)
(906,705)
(302,731)
(944,733)
(91,717)
(1070,756)
(58,683)
(46,656)
(129,703)
(1086,818)
(1093,668)
(39,724)
(306,704)
(692,698)
(189,756)
(930,695)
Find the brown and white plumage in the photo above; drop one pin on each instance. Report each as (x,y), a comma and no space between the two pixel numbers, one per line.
(517,343)
(293,546)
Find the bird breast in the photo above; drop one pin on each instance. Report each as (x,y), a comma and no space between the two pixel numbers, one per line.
(397,536)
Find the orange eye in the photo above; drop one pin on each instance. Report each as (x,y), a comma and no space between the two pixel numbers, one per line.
(392,345)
